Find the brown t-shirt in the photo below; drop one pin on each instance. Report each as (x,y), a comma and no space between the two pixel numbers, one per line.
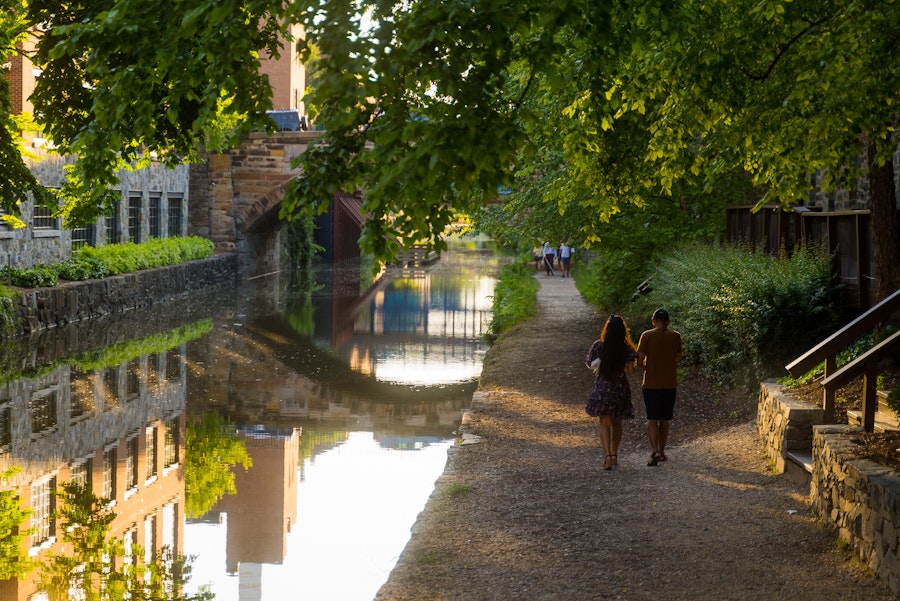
(662,349)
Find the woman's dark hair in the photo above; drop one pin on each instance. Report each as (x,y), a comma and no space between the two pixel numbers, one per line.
(616,347)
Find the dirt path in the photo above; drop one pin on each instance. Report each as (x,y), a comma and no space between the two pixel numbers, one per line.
(528,513)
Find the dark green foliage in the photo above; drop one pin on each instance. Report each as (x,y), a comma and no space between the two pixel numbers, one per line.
(742,314)
(7,310)
(515,298)
(30,277)
(81,267)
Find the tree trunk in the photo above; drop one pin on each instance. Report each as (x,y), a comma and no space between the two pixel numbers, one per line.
(885,224)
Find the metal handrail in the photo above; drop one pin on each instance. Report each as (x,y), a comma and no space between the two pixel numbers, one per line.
(865,364)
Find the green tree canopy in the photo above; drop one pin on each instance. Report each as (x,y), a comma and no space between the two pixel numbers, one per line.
(439,102)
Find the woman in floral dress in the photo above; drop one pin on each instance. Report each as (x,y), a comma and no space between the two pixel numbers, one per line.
(610,397)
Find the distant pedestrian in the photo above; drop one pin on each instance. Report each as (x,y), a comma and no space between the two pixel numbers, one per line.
(549,254)
(538,255)
(658,352)
(613,356)
(565,257)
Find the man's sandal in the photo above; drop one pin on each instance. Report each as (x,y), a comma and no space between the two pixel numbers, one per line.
(610,462)
(654,459)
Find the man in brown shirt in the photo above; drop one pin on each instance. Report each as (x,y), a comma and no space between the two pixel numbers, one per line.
(659,351)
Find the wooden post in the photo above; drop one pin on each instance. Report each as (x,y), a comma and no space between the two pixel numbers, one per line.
(870,397)
(828,401)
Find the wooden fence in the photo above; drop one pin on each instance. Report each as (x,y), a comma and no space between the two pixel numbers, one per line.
(846,234)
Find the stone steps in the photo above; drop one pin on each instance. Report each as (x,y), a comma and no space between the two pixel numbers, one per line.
(885,419)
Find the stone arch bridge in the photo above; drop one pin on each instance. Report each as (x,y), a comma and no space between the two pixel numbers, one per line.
(235,198)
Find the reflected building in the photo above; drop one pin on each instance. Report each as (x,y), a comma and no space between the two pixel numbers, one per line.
(120,430)
(260,514)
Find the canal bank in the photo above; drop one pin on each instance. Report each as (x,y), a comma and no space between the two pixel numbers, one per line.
(524,510)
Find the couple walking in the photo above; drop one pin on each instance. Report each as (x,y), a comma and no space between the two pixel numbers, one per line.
(612,357)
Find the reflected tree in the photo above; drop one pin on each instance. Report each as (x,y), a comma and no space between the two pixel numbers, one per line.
(12,518)
(211,451)
(102,567)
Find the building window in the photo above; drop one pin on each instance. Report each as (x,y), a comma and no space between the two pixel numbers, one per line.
(133,379)
(81,394)
(155,216)
(42,524)
(171,442)
(173,365)
(43,218)
(43,411)
(111,386)
(150,452)
(169,525)
(80,473)
(109,474)
(114,226)
(175,216)
(5,427)
(134,219)
(131,463)
(82,236)
(130,543)
(150,544)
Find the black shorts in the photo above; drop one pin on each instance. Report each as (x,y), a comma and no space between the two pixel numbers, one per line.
(659,402)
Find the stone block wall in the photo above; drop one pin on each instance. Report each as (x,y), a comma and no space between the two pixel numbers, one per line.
(784,423)
(860,498)
(43,308)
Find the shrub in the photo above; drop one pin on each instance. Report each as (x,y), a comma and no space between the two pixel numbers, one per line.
(515,298)
(30,277)
(7,310)
(81,267)
(156,252)
(743,314)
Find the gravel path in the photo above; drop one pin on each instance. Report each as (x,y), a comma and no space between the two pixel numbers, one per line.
(528,513)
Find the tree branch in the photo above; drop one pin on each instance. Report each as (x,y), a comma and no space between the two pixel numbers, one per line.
(785,47)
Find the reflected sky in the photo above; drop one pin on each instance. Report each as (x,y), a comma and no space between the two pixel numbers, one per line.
(356,504)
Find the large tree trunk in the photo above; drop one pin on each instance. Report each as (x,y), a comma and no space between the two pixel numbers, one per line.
(885,224)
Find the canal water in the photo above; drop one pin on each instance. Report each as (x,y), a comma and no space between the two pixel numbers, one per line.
(284,438)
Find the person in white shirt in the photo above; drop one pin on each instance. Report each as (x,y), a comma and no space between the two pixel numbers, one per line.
(565,257)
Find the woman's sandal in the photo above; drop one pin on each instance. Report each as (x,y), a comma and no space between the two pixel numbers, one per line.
(654,459)
(610,462)
(662,456)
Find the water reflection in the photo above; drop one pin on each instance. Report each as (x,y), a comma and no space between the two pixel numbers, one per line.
(111,419)
(286,441)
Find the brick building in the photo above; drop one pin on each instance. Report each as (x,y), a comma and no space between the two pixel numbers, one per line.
(153,201)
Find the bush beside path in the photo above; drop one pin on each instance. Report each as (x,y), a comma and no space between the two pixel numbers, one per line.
(527,512)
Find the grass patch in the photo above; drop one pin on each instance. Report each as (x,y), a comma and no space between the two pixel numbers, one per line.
(459,489)
(515,299)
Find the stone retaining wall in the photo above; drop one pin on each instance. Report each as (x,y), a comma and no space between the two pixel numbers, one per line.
(860,497)
(43,308)
(784,424)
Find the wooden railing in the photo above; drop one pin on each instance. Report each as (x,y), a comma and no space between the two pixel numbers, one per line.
(865,365)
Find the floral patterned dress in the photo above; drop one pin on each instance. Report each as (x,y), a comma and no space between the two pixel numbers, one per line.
(609,397)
